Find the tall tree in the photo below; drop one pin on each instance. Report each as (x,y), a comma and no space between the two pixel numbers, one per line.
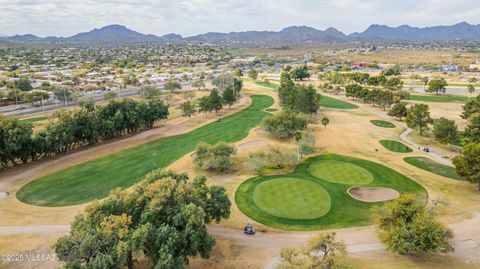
(229,97)
(253,74)
(285,124)
(399,110)
(188,109)
(445,131)
(307,100)
(215,101)
(165,218)
(472,131)
(471,107)
(300,72)
(204,105)
(407,228)
(467,164)
(172,85)
(437,85)
(418,117)
(23,84)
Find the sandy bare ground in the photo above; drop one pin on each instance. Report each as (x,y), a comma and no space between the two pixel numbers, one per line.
(251,145)
(373,194)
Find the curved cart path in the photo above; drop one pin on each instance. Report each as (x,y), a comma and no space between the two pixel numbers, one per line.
(358,240)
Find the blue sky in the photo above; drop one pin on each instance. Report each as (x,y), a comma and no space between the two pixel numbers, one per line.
(189,17)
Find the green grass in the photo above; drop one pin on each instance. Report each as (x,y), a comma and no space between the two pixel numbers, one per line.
(330,102)
(292,198)
(340,172)
(35,119)
(417,83)
(440,98)
(271,110)
(95,179)
(433,167)
(395,146)
(382,123)
(270,85)
(345,211)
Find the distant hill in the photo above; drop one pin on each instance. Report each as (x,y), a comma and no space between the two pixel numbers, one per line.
(461,32)
(290,35)
(109,34)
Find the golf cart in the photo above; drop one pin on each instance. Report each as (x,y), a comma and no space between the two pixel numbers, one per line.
(426,149)
(249,229)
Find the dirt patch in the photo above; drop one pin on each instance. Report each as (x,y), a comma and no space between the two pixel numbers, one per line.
(260,130)
(251,145)
(373,194)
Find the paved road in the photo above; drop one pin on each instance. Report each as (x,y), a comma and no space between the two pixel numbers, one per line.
(432,152)
(358,240)
(404,137)
(30,110)
(12,111)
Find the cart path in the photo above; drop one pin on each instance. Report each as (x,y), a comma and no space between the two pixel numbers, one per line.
(358,240)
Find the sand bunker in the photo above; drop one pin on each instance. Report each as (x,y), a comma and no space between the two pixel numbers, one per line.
(3,195)
(373,194)
(251,145)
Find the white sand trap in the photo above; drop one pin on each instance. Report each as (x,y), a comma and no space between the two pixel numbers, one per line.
(3,195)
(373,194)
(251,145)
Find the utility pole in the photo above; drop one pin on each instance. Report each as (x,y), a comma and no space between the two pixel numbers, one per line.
(43,103)
(65,96)
(16,97)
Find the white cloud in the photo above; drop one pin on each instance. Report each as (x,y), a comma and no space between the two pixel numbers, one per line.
(188,17)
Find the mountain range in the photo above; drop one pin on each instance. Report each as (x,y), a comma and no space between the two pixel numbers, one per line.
(290,35)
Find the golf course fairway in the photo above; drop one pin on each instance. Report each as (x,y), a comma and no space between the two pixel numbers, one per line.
(315,196)
(95,179)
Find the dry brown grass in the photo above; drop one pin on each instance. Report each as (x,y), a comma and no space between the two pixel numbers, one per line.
(391,261)
(349,133)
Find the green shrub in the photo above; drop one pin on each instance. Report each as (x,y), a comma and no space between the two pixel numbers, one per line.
(215,158)
(270,158)
(285,124)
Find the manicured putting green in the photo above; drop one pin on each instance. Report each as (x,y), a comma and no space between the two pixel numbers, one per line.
(395,146)
(288,202)
(96,178)
(292,198)
(382,123)
(327,101)
(429,165)
(340,172)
